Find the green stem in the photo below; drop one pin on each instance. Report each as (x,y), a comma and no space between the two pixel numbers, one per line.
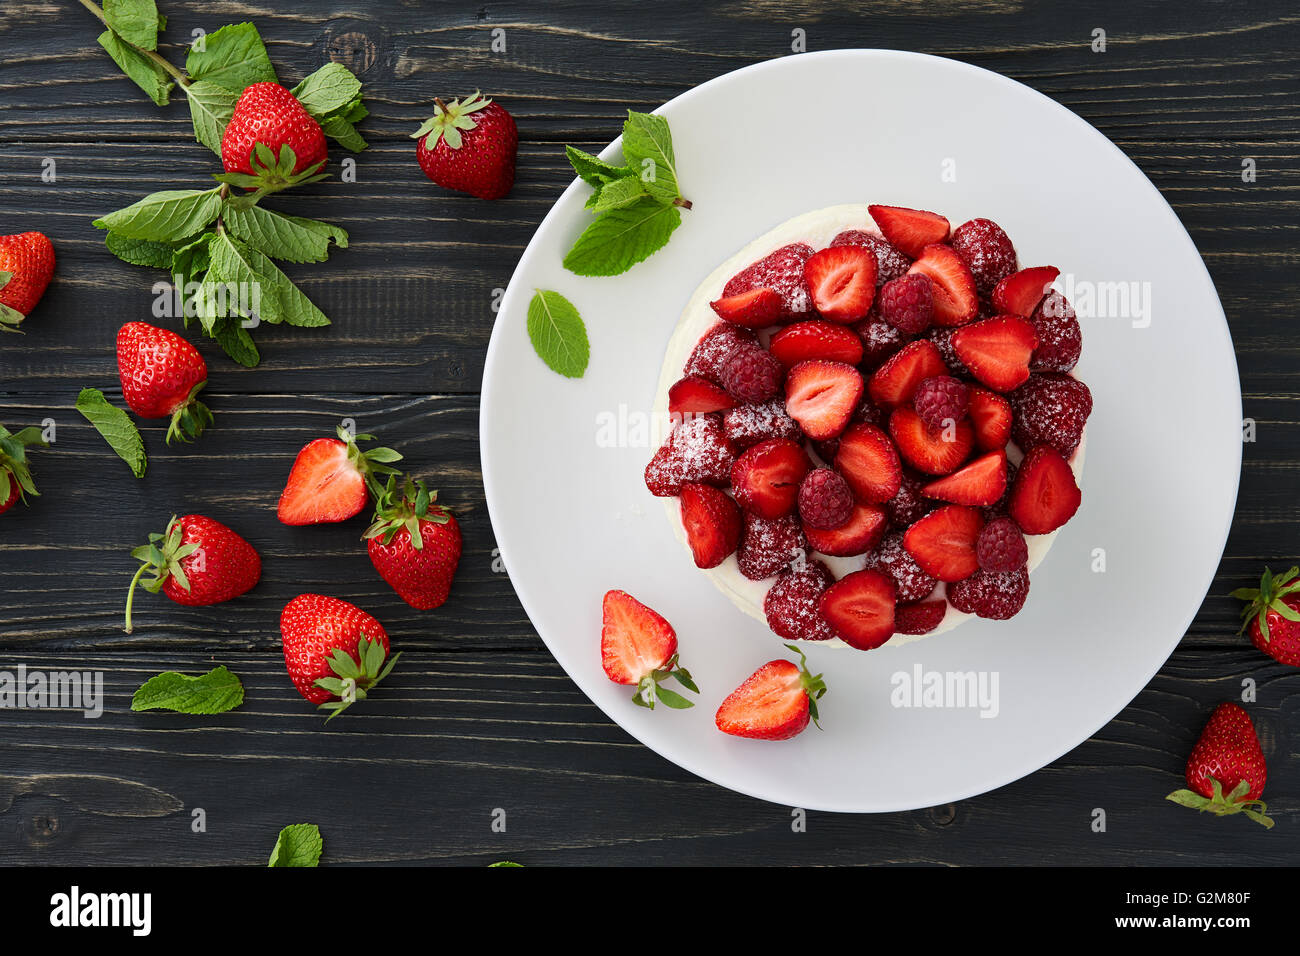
(181,79)
(130,595)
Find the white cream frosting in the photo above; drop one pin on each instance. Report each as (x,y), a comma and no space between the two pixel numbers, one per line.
(817,229)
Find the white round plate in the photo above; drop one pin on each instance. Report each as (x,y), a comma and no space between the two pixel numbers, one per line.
(563,459)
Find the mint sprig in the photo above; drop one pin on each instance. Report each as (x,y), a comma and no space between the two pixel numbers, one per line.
(637,204)
(558,334)
(219,244)
(298,844)
(116,428)
(215,692)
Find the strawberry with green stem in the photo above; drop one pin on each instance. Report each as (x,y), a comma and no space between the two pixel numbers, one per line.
(1226,771)
(638,647)
(335,653)
(15,473)
(161,376)
(1272,615)
(414,543)
(469,146)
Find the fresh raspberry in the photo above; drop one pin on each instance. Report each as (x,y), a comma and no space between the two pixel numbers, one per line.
(991,594)
(748,425)
(1001,546)
(920,618)
(910,582)
(825,499)
(1050,409)
(987,252)
(769,544)
(999,508)
(941,400)
(714,348)
(890,263)
(752,374)
(941,336)
(880,340)
(1060,339)
(909,505)
(791,603)
(907,303)
(697,450)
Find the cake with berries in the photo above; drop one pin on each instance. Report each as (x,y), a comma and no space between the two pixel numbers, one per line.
(874,429)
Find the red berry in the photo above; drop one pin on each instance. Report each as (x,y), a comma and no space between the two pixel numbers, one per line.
(1270,630)
(1227,754)
(714,349)
(752,375)
(1050,409)
(909,505)
(955,299)
(825,500)
(1001,546)
(907,303)
(991,594)
(823,396)
(712,522)
(696,450)
(269,114)
(941,400)
(782,272)
(920,618)
(29,258)
(869,463)
(1045,495)
(910,580)
(890,263)
(943,542)
(791,604)
(748,425)
(858,535)
(694,394)
(941,336)
(909,230)
(987,252)
(768,545)
(755,309)
(880,340)
(860,608)
(935,452)
(980,483)
(842,282)
(469,146)
(997,350)
(816,339)
(161,374)
(895,382)
(765,479)
(1020,292)
(1060,340)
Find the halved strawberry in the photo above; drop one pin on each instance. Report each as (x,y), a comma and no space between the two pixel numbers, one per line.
(755,309)
(815,339)
(910,230)
(980,483)
(943,542)
(990,413)
(869,463)
(328,479)
(696,394)
(862,532)
(822,396)
(933,452)
(774,703)
(712,522)
(859,607)
(639,647)
(1020,292)
(955,300)
(921,617)
(895,382)
(765,479)
(781,271)
(1045,494)
(997,350)
(842,282)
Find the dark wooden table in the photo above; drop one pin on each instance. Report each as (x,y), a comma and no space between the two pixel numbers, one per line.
(478,716)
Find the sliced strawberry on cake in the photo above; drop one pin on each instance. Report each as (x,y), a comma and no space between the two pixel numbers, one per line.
(842,282)
(822,396)
(1045,495)
(953,287)
(990,413)
(712,522)
(982,482)
(816,339)
(910,230)
(765,479)
(1020,292)
(1050,409)
(755,309)
(997,350)
(866,525)
(896,381)
(943,542)
(860,608)
(920,618)
(695,394)
(934,451)
(868,460)
(782,272)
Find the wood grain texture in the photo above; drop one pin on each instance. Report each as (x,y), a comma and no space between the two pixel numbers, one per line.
(478,715)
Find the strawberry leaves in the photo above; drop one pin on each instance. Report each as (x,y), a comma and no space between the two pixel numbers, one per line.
(636,204)
(449,119)
(650,691)
(1269,597)
(354,675)
(13,461)
(1221,804)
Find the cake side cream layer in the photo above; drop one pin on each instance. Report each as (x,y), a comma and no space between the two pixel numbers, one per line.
(817,229)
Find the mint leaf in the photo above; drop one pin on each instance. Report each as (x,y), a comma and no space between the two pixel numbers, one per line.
(593,170)
(135,21)
(281,300)
(648,150)
(233,57)
(167,216)
(281,236)
(211,107)
(341,129)
(558,334)
(190,261)
(146,74)
(117,429)
(140,252)
(298,844)
(215,692)
(235,341)
(615,195)
(331,89)
(620,238)
(504,863)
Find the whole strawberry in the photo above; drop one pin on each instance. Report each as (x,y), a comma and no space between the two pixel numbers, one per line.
(196,561)
(414,543)
(1272,613)
(26,268)
(15,473)
(1226,770)
(469,146)
(161,376)
(269,114)
(334,651)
